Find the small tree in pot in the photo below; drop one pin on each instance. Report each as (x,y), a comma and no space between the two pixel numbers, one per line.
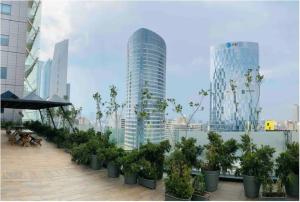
(154,153)
(199,189)
(256,165)
(130,166)
(190,151)
(287,169)
(148,174)
(113,156)
(179,181)
(219,155)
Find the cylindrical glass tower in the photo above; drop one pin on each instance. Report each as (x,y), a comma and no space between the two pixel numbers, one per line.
(146,69)
(231,111)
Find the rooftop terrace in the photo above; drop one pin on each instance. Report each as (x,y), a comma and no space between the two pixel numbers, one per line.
(47,173)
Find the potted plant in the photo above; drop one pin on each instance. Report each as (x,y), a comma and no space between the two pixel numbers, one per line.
(199,189)
(155,154)
(287,169)
(190,151)
(80,154)
(219,155)
(147,174)
(269,194)
(95,162)
(256,165)
(179,181)
(113,156)
(130,166)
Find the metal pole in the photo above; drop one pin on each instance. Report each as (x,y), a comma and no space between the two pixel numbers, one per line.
(51,118)
(67,119)
(42,117)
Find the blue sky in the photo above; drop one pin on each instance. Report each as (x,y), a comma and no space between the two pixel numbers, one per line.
(98,33)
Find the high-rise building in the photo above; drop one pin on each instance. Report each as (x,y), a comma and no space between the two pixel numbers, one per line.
(146,69)
(230,62)
(45,79)
(19,32)
(59,69)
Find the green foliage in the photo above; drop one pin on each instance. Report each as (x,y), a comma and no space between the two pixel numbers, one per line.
(190,151)
(256,161)
(287,163)
(7,124)
(154,153)
(179,180)
(130,162)
(147,170)
(219,154)
(199,184)
(113,154)
(81,154)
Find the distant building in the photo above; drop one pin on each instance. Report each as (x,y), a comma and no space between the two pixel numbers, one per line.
(146,54)
(45,79)
(59,69)
(231,61)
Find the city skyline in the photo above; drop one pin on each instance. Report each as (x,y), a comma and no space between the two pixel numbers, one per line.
(188,41)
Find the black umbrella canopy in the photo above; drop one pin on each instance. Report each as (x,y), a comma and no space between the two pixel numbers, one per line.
(33,102)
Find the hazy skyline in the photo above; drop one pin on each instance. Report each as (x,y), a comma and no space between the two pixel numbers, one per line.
(98,33)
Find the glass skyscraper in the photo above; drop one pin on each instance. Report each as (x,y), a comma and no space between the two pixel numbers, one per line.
(146,69)
(231,61)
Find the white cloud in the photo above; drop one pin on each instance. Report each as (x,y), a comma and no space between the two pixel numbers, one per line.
(55,25)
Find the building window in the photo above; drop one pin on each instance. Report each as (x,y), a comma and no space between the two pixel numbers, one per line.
(5,9)
(3,73)
(2,110)
(4,40)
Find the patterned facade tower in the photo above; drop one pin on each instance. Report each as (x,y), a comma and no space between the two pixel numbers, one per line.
(233,110)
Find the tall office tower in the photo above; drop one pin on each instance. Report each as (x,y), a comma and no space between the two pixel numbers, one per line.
(45,79)
(146,69)
(14,24)
(58,72)
(233,111)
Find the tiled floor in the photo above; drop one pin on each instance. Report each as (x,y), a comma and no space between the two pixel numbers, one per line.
(47,173)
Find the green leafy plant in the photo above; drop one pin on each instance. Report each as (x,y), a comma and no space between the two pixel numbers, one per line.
(154,153)
(199,184)
(179,181)
(130,162)
(256,161)
(113,154)
(219,154)
(190,151)
(287,163)
(147,170)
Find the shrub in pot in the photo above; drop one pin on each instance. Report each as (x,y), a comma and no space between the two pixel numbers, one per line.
(199,189)
(130,166)
(147,174)
(190,151)
(271,193)
(93,145)
(179,181)
(113,156)
(155,154)
(256,165)
(287,169)
(219,155)
(80,154)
